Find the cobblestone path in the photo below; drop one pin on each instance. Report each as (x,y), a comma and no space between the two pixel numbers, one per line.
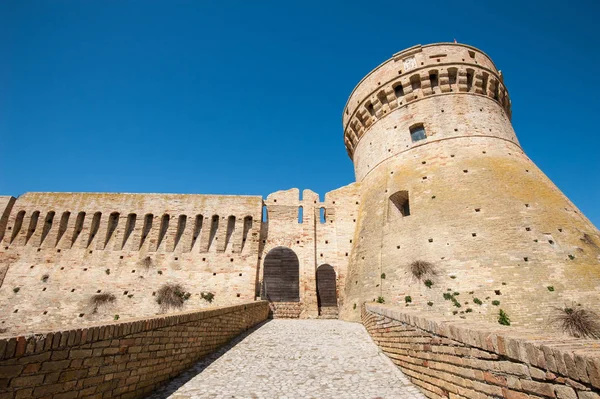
(290,359)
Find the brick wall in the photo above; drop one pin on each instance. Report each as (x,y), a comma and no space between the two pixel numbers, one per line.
(119,360)
(209,243)
(459,359)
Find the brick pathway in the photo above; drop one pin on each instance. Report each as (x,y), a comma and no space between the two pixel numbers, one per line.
(296,359)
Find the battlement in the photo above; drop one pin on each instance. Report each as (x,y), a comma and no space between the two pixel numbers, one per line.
(418,73)
(134,222)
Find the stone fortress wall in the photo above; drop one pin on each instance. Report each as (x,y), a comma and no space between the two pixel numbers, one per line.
(60,249)
(464,198)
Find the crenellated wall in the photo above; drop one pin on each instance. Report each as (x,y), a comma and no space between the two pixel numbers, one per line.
(60,249)
(316,239)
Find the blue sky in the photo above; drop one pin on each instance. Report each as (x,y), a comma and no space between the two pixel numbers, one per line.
(246,97)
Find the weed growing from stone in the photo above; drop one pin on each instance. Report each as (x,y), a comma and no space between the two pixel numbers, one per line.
(98,300)
(207,296)
(550,288)
(171,295)
(146,262)
(503,318)
(421,269)
(383,276)
(380,300)
(577,321)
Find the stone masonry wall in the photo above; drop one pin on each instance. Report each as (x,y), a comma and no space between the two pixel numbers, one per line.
(118,360)
(444,180)
(457,359)
(60,249)
(297,224)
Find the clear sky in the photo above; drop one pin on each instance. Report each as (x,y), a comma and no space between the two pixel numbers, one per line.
(246,97)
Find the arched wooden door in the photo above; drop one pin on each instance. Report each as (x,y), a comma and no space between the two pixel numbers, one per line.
(326,292)
(281,278)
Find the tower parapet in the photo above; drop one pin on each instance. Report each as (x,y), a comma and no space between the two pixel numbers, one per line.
(456,85)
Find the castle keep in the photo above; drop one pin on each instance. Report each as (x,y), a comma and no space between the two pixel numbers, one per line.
(440,179)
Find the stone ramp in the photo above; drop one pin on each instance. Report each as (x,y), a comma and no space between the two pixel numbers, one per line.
(295,359)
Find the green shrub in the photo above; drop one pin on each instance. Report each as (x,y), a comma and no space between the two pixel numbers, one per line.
(429,303)
(428,283)
(495,303)
(477,301)
(207,296)
(383,276)
(455,302)
(408,299)
(503,318)
(380,299)
(550,288)
(447,296)
(468,310)
(116,317)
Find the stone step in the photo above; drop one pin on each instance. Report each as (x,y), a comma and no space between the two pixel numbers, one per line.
(285,310)
(330,312)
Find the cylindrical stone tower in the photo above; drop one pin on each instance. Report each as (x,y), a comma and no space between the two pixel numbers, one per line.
(444,181)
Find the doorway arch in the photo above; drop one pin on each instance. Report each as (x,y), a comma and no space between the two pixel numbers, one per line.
(281,277)
(326,286)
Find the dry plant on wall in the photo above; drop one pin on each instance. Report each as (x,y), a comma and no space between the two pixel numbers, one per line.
(577,321)
(102,299)
(421,270)
(146,262)
(171,296)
